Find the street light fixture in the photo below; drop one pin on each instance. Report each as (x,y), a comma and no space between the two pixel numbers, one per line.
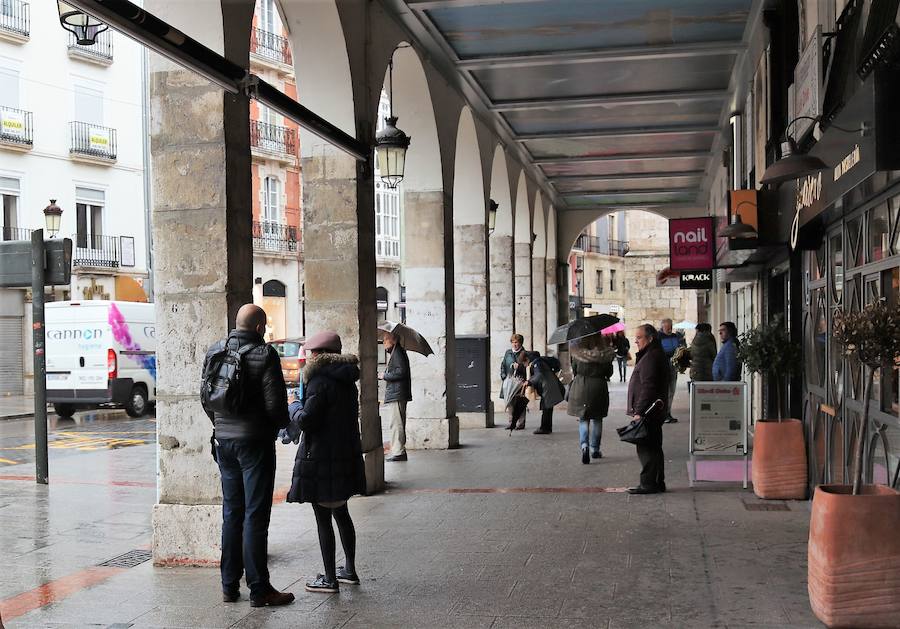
(391,143)
(52,218)
(85,27)
(579,279)
(492,216)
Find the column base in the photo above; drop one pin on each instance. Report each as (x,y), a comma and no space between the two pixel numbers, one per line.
(187,535)
(484,419)
(432,434)
(374,462)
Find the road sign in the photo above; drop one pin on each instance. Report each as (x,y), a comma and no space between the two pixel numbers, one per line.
(15,263)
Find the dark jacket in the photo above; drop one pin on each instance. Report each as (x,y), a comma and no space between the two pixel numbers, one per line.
(589,392)
(649,381)
(671,342)
(329,464)
(506,365)
(703,353)
(396,375)
(545,382)
(623,345)
(264,411)
(726,366)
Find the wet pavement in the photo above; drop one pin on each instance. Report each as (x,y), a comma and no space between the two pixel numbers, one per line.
(506,531)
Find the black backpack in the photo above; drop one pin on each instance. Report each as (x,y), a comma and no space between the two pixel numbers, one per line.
(222,390)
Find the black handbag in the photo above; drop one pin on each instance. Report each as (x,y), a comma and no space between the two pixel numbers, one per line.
(638,430)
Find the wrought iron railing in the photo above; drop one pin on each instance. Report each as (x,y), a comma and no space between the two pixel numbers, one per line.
(618,248)
(15,125)
(96,251)
(92,140)
(15,17)
(15,233)
(102,48)
(275,237)
(271,46)
(273,137)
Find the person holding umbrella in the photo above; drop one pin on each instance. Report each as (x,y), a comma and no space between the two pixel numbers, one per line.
(543,379)
(397,338)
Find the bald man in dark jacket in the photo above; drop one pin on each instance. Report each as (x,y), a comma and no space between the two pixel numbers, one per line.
(649,382)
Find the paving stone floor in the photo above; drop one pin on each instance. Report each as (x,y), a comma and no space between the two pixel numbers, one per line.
(532,542)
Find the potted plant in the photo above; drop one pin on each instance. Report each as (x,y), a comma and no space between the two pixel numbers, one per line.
(779,448)
(854,549)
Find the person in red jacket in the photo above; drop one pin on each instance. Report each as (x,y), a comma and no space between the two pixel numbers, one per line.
(649,382)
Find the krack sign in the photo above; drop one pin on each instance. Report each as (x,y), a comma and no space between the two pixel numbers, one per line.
(696,280)
(691,243)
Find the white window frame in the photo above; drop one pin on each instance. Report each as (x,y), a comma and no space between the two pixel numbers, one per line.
(387,222)
(16,193)
(95,208)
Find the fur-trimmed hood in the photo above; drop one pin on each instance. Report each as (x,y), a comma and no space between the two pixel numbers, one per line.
(337,366)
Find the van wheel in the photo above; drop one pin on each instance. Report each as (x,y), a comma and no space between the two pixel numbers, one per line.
(64,410)
(137,403)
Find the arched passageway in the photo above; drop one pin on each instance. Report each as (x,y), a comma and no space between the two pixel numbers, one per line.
(502,269)
(539,278)
(522,261)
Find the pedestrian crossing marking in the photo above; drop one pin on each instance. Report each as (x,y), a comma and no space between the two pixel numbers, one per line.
(84,441)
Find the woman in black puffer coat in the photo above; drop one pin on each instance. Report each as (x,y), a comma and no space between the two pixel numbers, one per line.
(329,465)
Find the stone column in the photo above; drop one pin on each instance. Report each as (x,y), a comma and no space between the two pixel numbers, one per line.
(339,267)
(470,257)
(431,420)
(523,292)
(200,157)
(552,299)
(539,304)
(502,308)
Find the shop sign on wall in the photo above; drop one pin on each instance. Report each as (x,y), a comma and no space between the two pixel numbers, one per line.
(691,243)
(808,85)
(12,124)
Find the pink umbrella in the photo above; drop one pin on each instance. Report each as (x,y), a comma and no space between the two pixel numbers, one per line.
(615,327)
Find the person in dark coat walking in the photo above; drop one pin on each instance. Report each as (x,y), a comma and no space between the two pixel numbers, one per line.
(329,466)
(703,353)
(623,347)
(545,382)
(589,396)
(649,382)
(244,448)
(397,394)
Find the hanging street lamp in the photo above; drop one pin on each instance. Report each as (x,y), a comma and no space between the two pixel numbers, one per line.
(391,143)
(492,216)
(52,218)
(85,27)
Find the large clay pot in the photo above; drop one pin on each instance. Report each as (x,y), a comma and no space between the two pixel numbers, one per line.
(854,556)
(779,460)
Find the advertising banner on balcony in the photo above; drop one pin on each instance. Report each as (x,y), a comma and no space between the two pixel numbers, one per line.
(98,139)
(691,244)
(12,124)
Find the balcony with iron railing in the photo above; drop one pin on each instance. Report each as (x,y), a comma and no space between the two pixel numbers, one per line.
(15,233)
(274,140)
(276,238)
(594,244)
(95,251)
(101,51)
(15,20)
(92,142)
(15,128)
(270,46)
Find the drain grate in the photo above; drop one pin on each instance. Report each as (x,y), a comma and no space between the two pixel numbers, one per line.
(129,560)
(766,506)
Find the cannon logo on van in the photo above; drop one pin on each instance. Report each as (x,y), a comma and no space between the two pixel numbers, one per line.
(87,334)
(150,331)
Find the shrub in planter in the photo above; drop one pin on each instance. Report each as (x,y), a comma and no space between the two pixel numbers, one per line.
(854,549)
(779,448)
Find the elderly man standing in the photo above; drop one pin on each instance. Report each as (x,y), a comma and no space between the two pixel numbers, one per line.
(397,393)
(670,341)
(649,383)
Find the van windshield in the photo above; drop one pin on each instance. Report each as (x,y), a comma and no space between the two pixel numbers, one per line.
(288,350)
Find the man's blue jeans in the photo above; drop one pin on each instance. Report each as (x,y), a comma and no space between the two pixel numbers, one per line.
(248,481)
(596,429)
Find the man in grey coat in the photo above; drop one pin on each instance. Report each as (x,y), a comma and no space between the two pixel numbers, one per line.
(397,393)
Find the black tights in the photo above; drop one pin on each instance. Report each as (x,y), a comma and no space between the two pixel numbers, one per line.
(326,537)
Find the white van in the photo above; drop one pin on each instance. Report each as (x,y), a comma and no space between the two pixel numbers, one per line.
(101,353)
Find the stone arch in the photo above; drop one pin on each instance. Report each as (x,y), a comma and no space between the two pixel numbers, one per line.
(539,277)
(431,419)
(553,288)
(502,269)
(522,260)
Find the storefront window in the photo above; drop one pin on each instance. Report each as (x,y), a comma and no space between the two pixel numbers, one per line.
(879,233)
(837,266)
(854,241)
(820,263)
(838,459)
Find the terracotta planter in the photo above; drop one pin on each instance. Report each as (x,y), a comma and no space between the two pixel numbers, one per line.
(779,460)
(854,556)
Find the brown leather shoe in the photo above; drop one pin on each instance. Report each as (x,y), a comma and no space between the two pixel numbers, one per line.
(272,599)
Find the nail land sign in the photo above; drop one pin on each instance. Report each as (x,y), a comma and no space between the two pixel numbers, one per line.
(696,280)
(691,244)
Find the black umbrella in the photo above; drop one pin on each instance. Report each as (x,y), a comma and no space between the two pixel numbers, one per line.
(580,328)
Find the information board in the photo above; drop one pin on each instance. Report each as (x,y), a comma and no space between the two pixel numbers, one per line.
(719,418)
